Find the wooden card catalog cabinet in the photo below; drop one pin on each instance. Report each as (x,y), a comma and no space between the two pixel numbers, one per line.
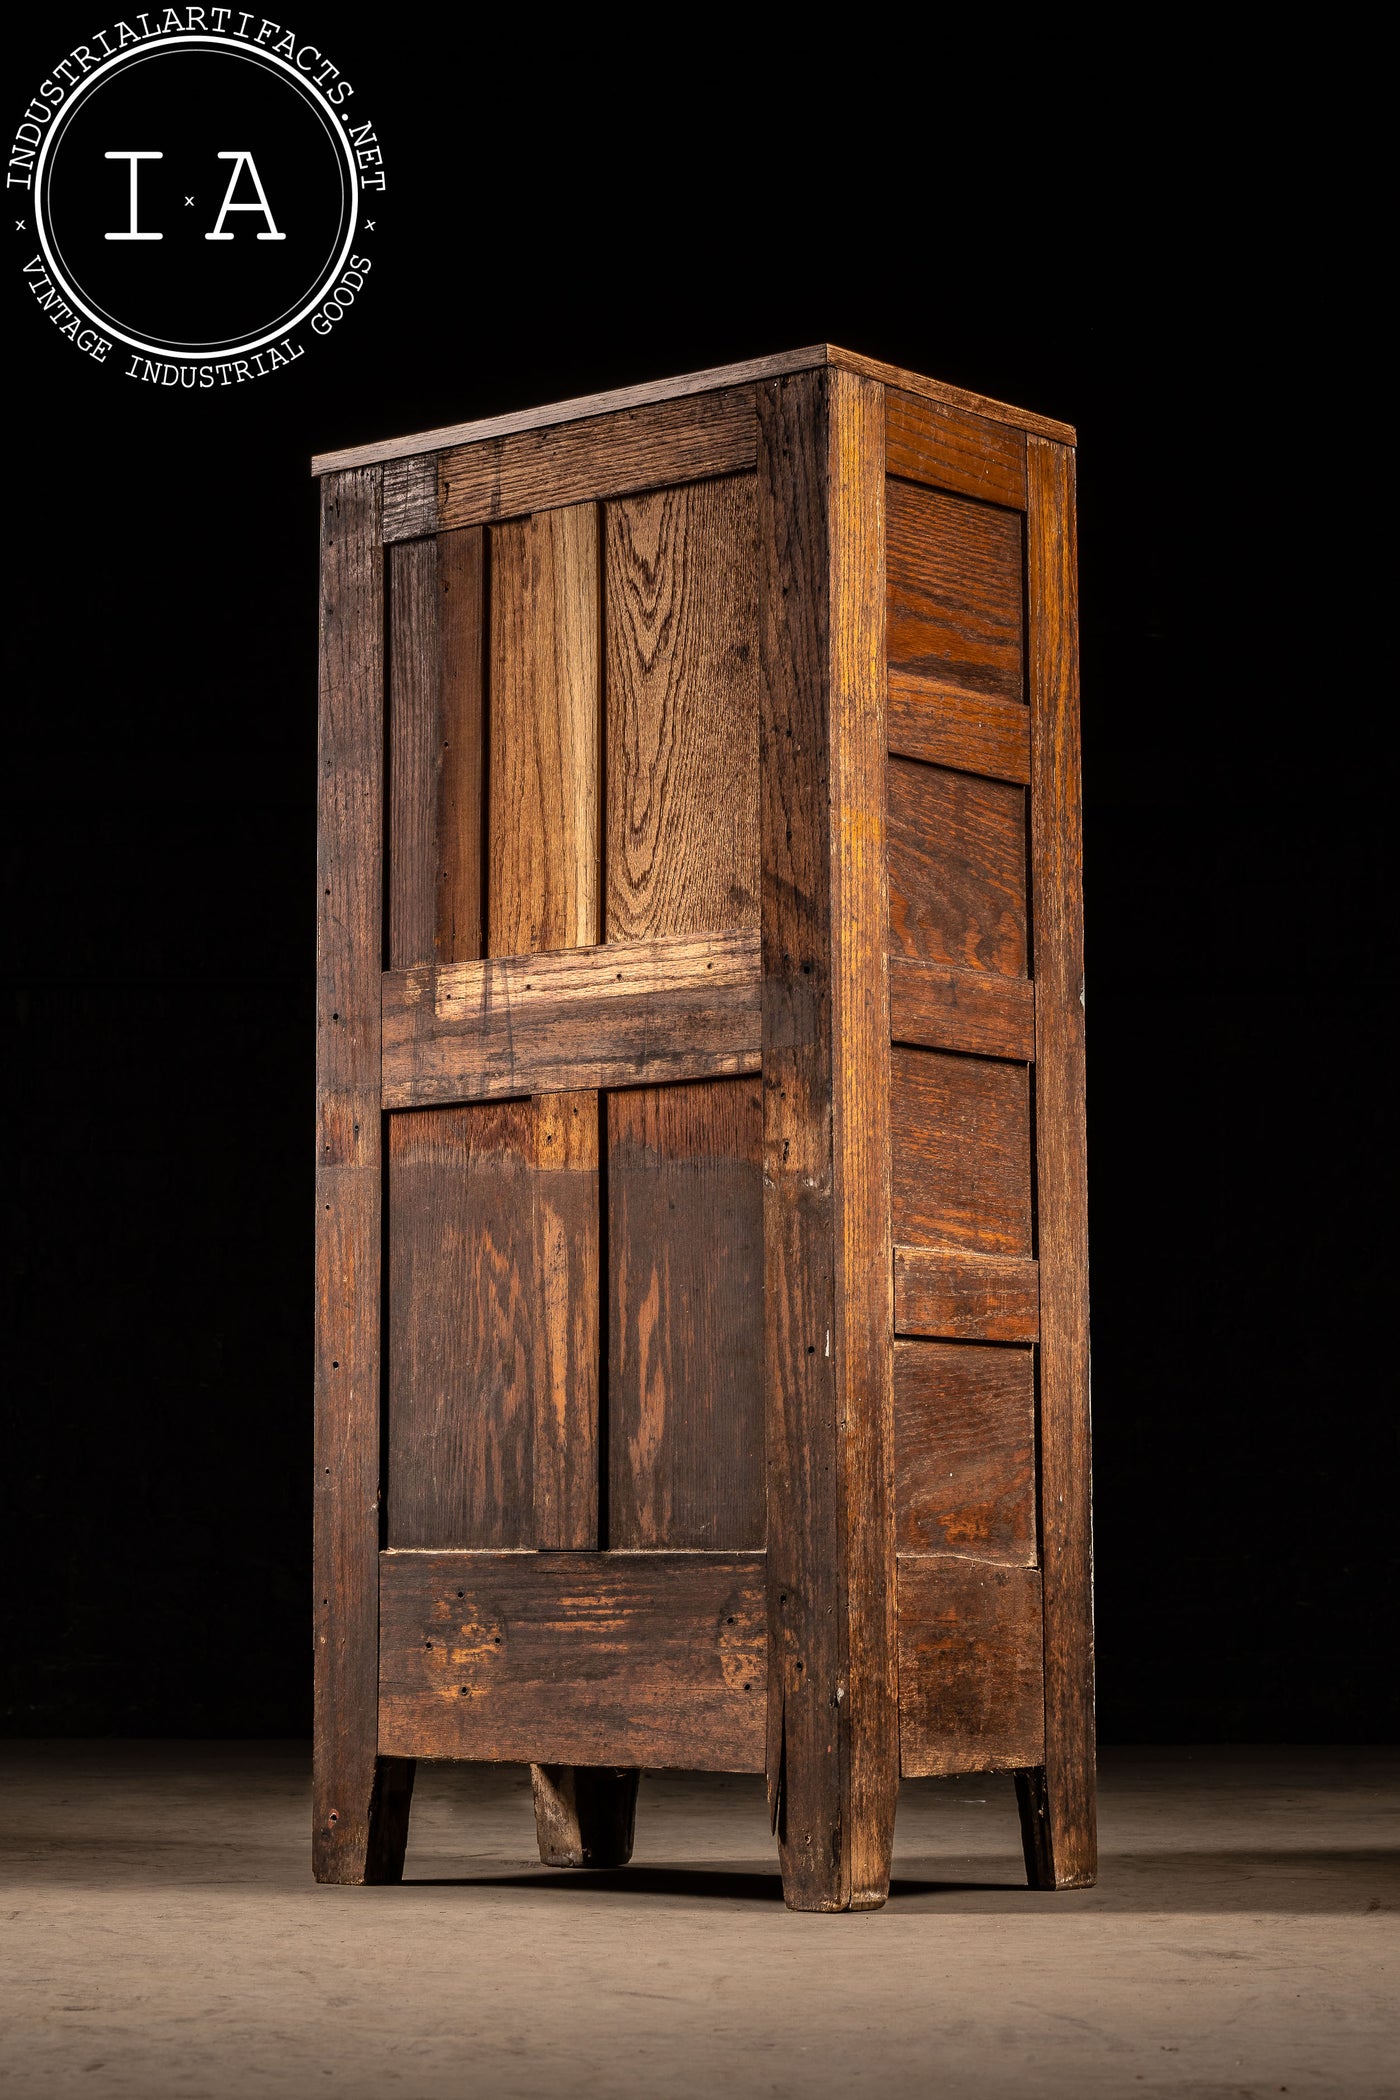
(702,1371)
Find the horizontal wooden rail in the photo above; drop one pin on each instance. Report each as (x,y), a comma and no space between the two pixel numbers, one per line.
(972,732)
(652,1659)
(943,1006)
(630,1013)
(945,448)
(966,1297)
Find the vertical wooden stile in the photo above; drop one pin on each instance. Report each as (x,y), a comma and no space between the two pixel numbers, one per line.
(360,1808)
(833,1755)
(1058,1809)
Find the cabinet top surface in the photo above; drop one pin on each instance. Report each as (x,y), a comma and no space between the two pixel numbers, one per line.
(815,355)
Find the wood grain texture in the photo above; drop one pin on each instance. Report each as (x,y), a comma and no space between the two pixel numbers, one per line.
(962,1152)
(973,732)
(965,1451)
(955,592)
(831,1749)
(685,1316)
(415,674)
(465,1339)
(953,1009)
(811,358)
(360,1803)
(585,1815)
(627,1014)
(545,711)
(653,1660)
(946,448)
(568,1279)
(658,444)
(682,711)
(967,1297)
(957,854)
(1056,844)
(970,1686)
(461,755)
(409,509)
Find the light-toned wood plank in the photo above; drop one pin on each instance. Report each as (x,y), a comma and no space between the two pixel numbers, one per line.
(461,755)
(970,732)
(682,706)
(945,448)
(966,1297)
(567,1371)
(634,1013)
(667,443)
(409,509)
(1069,1849)
(635,1659)
(360,1821)
(946,1008)
(814,356)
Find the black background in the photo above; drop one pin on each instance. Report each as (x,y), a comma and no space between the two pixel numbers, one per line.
(1182,296)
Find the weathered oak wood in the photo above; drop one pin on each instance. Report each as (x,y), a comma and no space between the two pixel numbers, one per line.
(610,1659)
(967,1297)
(415,677)
(682,715)
(965,1451)
(630,1013)
(685,1392)
(584,1816)
(955,592)
(971,1696)
(458,929)
(812,358)
(656,445)
(972,732)
(360,1801)
(946,1008)
(957,852)
(961,1140)
(409,498)
(831,1755)
(1069,1854)
(948,449)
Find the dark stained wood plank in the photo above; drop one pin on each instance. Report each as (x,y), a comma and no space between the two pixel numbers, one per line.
(654,1660)
(955,592)
(685,1319)
(813,357)
(652,446)
(461,756)
(565,1340)
(973,732)
(544,790)
(946,448)
(584,1816)
(967,1297)
(628,1014)
(965,1451)
(410,498)
(957,849)
(464,1327)
(682,711)
(952,1009)
(970,1684)
(832,1761)
(414,678)
(1062,1216)
(962,1152)
(360,1800)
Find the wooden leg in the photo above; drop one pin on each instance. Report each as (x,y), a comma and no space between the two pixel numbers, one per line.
(363,1838)
(584,1814)
(1051,1834)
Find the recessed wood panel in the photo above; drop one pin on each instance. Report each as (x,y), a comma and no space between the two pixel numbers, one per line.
(971,1689)
(685,1316)
(463,1326)
(682,711)
(955,591)
(957,853)
(960,1130)
(579,1658)
(965,1450)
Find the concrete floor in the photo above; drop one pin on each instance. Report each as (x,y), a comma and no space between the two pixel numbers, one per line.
(162,1936)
